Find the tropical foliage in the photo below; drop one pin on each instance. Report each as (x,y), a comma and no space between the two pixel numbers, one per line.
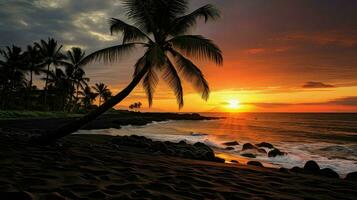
(65,85)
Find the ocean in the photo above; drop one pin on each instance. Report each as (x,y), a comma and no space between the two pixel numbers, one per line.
(328,138)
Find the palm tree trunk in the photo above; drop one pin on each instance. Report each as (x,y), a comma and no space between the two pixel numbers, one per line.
(46,84)
(73,126)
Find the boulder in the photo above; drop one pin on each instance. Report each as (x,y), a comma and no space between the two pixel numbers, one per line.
(266,145)
(311,166)
(255,163)
(284,170)
(352,176)
(248,146)
(297,170)
(229,148)
(234,161)
(275,152)
(327,172)
(182,142)
(233,143)
(248,155)
(262,151)
(219,160)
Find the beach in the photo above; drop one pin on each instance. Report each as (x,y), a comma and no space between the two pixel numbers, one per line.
(110,167)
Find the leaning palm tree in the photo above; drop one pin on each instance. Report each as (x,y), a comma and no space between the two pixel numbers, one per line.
(51,54)
(102,91)
(160,28)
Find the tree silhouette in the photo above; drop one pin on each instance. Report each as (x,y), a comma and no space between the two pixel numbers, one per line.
(167,50)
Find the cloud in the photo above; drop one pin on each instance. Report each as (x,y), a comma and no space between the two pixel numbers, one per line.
(312,84)
(343,101)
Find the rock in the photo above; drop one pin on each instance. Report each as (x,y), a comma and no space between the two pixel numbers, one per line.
(234,161)
(182,142)
(97,195)
(247,146)
(229,148)
(327,172)
(275,152)
(200,144)
(351,176)
(262,151)
(159,146)
(255,163)
(234,143)
(297,170)
(311,166)
(248,155)
(266,145)
(219,160)
(284,170)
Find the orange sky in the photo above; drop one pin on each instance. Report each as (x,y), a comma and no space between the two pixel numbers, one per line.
(279,56)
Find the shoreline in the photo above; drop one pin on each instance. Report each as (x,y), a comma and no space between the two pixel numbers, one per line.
(95,167)
(134,167)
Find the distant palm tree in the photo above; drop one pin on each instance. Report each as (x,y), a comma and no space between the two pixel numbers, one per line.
(166,51)
(74,66)
(102,91)
(51,54)
(88,97)
(33,62)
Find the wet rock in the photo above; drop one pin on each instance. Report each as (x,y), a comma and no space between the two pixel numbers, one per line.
(200,144)
(248,155)
(275,152)
(182,142)
(234,161)
(233,143)
(352,176)
(255,163)
(229,148)
(297,170)
(284,170)
(219,160)
(248,146)
(327,172)
(262,151)
(311,166)
(266,145)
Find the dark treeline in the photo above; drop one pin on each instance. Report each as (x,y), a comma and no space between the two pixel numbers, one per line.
(65,85)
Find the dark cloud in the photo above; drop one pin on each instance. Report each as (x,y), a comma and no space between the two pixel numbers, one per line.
(312,85)
(277,39)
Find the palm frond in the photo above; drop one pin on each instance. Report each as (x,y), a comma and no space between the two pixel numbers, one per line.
(173,80)
(192,74)
(182,24)
(130,33)
(197,46)
(150,82)
(110,54)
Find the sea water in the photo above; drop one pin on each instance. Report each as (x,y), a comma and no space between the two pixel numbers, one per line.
(328,138)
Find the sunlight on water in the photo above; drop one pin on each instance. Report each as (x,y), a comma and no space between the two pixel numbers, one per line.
(329,139)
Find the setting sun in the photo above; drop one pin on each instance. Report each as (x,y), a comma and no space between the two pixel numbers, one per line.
(233,104)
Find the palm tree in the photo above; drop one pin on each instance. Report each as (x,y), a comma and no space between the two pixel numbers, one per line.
(12,69)
(74,66)
(160,27)
(33,61)
(51,54)
(102,91)
(88,97)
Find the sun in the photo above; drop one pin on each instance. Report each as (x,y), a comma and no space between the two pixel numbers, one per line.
(233,104)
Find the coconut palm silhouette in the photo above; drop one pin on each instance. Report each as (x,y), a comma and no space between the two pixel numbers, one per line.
(160,27)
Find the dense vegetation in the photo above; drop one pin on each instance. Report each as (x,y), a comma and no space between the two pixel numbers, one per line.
(65,85)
